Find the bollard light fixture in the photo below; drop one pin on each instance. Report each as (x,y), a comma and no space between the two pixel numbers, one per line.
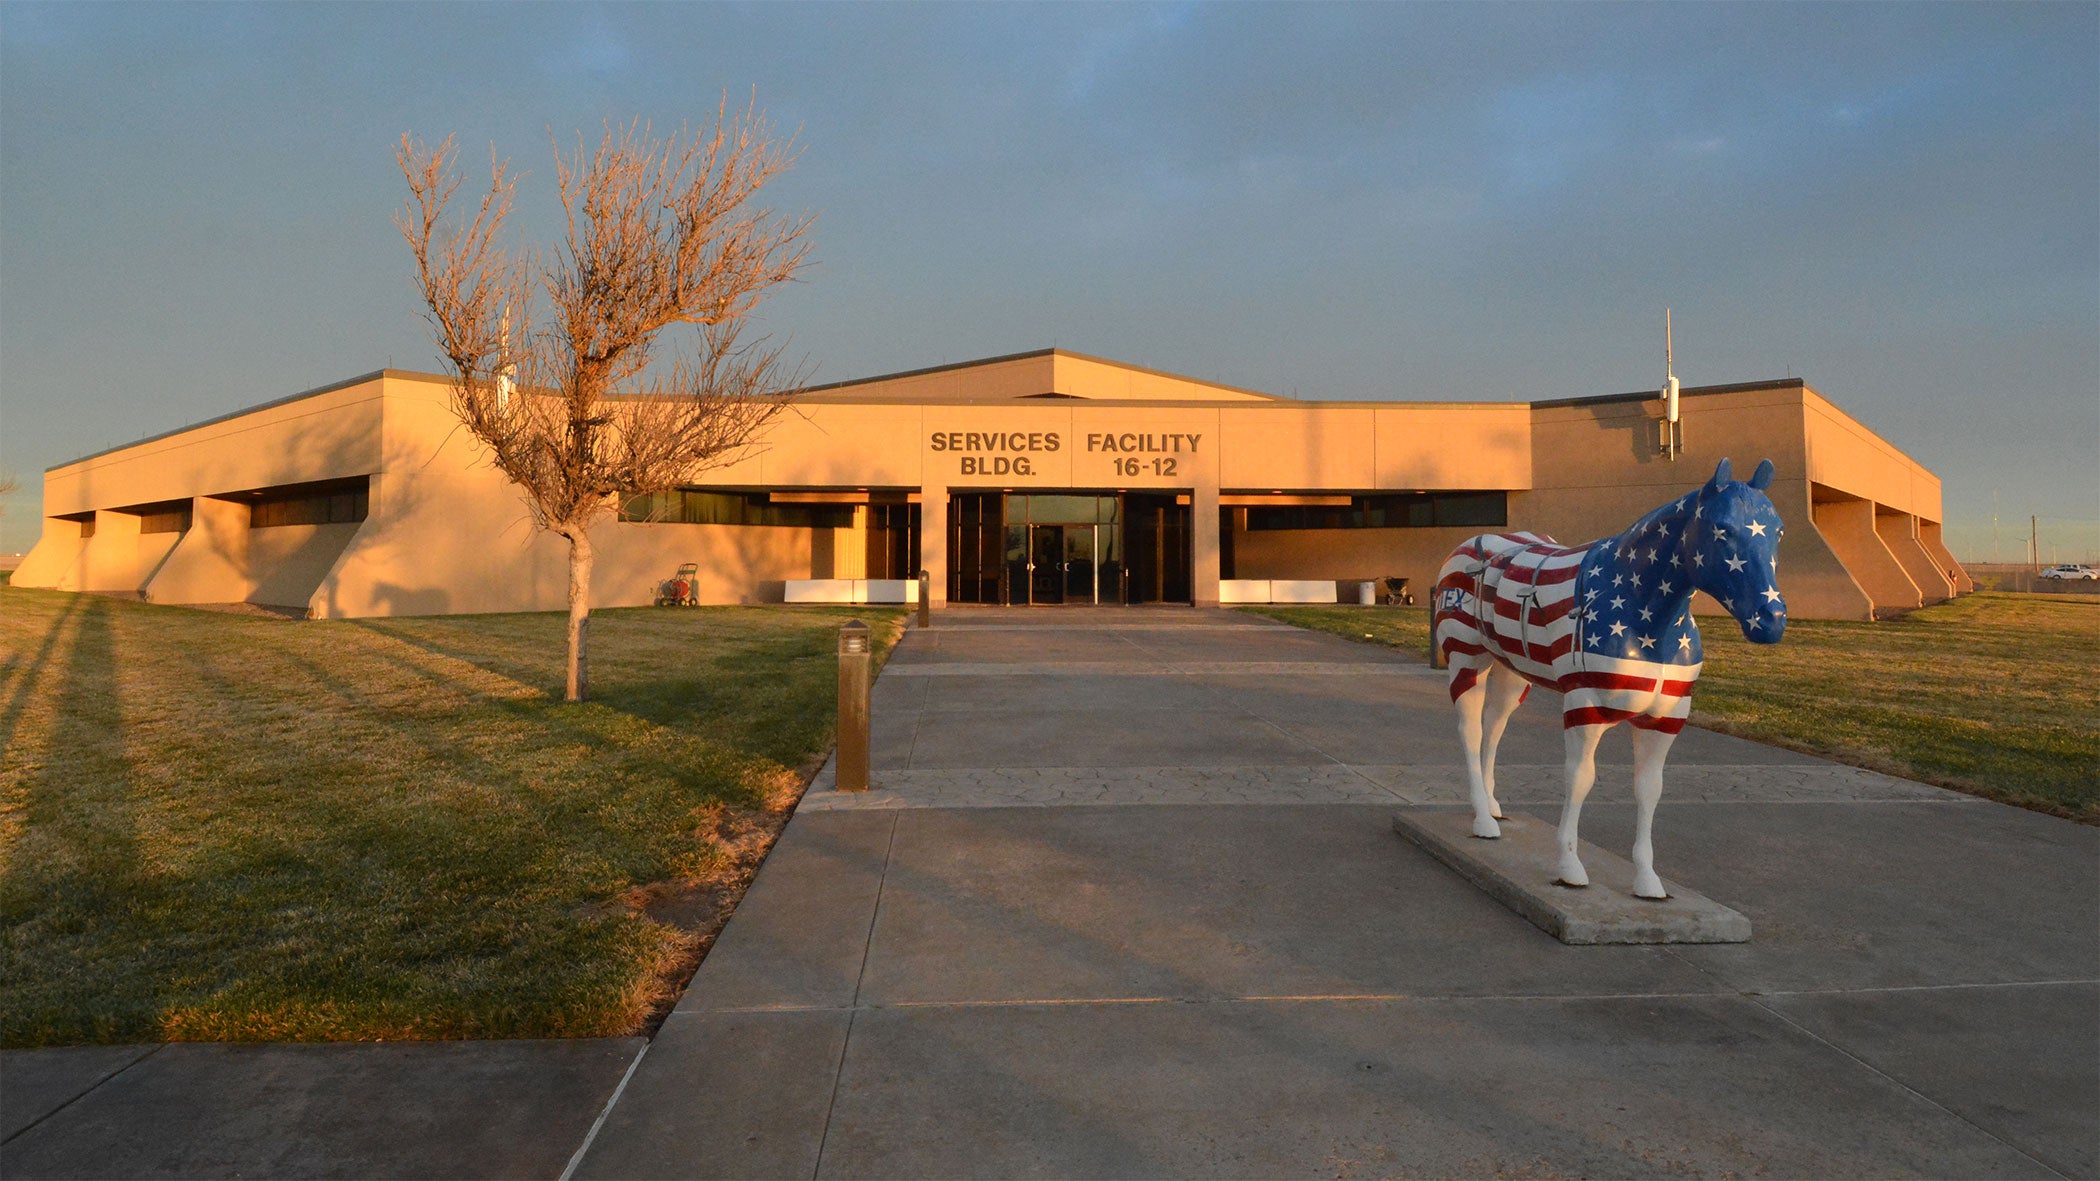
(854,684)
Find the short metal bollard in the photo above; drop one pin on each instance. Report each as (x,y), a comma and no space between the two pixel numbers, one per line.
(925,599)
(854,659)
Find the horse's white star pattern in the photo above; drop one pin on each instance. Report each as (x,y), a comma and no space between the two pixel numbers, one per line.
(1632,622)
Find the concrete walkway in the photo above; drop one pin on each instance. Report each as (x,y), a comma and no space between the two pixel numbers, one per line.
(1126,902)
(359,1109)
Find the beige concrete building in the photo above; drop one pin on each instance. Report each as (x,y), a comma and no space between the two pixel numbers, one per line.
(1039,478)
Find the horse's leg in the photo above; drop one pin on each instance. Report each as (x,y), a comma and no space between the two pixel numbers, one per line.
(1469,705)
(1505,693)
(1581,745)
(1650,748)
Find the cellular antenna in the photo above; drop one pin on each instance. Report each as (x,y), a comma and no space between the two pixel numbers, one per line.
(1672,435)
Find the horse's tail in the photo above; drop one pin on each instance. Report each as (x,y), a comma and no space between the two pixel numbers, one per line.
(1455,613)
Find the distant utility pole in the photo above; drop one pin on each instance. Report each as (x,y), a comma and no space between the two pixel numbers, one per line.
(2034,539)
(1994,527)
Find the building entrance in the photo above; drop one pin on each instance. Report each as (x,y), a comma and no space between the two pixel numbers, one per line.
(1064,564)
(1048,548)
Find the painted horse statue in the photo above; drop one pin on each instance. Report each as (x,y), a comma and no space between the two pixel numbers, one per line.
(1609,625)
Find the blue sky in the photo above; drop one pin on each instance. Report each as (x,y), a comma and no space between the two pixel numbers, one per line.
(1899,202)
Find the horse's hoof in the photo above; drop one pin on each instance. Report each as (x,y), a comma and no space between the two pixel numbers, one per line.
(1487,830)
(1651,888)
(1651,897)
(1565,884)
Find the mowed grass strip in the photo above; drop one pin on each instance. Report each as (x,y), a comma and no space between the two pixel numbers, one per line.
(1993,694)
(215,826)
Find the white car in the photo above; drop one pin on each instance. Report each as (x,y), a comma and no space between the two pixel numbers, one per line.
(2071,572)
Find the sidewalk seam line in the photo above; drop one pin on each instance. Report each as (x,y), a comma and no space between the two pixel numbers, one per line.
(1899,1084)
(1723,990)
(1758,1000)
(1349,767)
(838,1075)
(590,1137)
(85,1092)
(1219,692)
(918,723)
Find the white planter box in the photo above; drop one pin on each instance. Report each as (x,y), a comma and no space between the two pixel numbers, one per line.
(819,590)
(852,590)
(1243,590)
(1288,590)
(889,590)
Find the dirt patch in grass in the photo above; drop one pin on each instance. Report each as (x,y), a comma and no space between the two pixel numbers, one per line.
(221,827)
(1993,694)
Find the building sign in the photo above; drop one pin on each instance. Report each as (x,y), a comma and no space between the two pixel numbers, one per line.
(1141,453)
(1016,444)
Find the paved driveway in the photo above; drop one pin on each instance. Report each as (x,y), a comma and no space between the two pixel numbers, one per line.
(1125,901)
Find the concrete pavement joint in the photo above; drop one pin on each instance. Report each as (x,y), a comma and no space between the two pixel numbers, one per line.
(911,752)
(1757,999)
(1288,736)
(838,1075)
(576,1158)
(1186,668)
(1067,628)
(1335,782)
(1723,990)
(85,1092)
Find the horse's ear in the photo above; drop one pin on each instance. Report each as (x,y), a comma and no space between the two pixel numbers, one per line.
(1721,476)
(1761,479)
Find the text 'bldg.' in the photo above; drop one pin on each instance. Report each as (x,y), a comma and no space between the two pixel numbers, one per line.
(1039,478)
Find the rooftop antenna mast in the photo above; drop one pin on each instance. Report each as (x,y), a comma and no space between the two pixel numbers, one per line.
(1672,428)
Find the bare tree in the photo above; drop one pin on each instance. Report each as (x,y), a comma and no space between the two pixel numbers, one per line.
(583,409)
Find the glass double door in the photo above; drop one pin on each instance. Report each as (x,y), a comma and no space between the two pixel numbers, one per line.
(1064,564)
(1037,548)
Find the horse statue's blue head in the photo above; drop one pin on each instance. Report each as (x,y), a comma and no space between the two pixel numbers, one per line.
(1734,541)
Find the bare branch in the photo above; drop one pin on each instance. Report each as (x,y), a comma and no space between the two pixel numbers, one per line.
(583,411)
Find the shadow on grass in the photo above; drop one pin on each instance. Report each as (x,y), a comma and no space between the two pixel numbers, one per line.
(27,671)
(78,858)
(236,829)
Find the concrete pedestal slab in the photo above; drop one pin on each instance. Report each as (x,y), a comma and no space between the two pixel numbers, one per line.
(1519,870)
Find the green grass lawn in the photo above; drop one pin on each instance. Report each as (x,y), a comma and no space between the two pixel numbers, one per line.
(215,826)
(1994,694)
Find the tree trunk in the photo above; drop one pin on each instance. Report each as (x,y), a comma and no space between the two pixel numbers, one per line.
(579,615)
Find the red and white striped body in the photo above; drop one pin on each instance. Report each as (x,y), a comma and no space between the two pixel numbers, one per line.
(1521,600)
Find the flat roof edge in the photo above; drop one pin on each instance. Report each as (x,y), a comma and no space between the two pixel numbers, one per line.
(830,387)
(1741,387)
(230,415)
(1272,403)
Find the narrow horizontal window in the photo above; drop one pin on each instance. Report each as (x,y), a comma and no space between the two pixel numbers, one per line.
(1395,510)
(171,518)
(332,504)
(692,506)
